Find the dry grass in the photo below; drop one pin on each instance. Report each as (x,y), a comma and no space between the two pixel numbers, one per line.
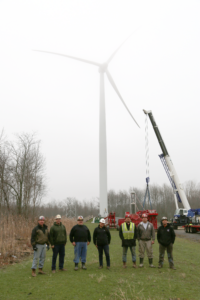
(15,236)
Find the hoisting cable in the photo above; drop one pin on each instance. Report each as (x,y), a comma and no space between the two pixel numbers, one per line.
(147,192)
(146,146)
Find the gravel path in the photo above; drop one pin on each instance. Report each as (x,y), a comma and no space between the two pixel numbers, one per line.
(190,236)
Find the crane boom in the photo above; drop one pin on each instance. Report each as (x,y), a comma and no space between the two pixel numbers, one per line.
(178,189)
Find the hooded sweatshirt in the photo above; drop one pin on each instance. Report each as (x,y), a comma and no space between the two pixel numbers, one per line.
(58,234)
(101,236)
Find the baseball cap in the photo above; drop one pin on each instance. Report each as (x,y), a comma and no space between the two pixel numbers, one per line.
(80,218)
(41,218)
(164,218)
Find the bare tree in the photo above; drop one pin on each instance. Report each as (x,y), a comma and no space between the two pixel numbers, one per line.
(23,173)
(4,159)
(192,190)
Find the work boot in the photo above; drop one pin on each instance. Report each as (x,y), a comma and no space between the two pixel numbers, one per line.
(83,266)
(151,263)
(124,265)
(108,268)
(62,269)
(141,262)
(134,265)
(33,273)
(53,271)
(41,272)
(76,267)
(172,267)
(100,267)
(160,266)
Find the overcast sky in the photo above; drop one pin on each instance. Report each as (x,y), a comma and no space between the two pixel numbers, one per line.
(158,69)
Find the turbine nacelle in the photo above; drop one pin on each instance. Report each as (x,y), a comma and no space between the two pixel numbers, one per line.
(103,68)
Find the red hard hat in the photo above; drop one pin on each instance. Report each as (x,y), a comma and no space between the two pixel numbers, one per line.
(127,216)
(144,216)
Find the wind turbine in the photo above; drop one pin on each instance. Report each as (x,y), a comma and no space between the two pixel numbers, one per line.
(103,68)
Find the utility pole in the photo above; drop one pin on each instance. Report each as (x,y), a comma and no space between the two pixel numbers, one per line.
(133,203)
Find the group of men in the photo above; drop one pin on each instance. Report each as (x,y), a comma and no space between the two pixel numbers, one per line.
(57,237)
(80,238)
(145,234)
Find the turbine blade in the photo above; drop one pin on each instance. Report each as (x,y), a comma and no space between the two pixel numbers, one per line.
(111,57)
(116,90)
(76,58)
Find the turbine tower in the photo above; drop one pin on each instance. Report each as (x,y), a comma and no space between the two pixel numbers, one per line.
(103,68)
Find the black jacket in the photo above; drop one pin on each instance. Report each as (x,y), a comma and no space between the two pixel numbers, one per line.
(80,233)
(101,236)
(128,243)
(165,235)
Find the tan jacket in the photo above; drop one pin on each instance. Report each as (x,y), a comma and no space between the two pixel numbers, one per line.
(39,235)
(145,234)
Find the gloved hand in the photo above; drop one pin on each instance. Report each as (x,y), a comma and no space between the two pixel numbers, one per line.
(47,247)
(34,248)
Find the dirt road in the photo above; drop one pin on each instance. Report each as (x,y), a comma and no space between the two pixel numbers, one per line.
(190,236)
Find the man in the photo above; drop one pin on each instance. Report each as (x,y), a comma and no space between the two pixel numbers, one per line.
(166,237)
(128,235)
(58,240)
(39,239)
(101,239)
(146,238)
(80,238)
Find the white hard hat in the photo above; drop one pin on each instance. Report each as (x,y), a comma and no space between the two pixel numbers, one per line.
(164,218)
(102,221)
(42,218)
(58,217)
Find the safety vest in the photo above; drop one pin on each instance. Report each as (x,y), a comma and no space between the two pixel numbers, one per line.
(128,234)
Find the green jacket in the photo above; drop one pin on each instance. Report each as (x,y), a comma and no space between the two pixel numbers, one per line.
(58,234)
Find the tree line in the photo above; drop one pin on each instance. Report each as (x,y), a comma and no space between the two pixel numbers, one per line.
(162,200)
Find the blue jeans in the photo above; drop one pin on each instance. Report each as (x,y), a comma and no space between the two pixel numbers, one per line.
(125,249)
(39,255)
(104,248)
(80,251)
(58,249)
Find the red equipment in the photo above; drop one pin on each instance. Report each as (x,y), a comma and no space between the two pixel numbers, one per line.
(110,220)
(137,218)
(192,228)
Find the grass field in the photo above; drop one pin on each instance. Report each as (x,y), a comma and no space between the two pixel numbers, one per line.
(117,283)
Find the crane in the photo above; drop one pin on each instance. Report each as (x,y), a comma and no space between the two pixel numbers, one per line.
(179,194)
